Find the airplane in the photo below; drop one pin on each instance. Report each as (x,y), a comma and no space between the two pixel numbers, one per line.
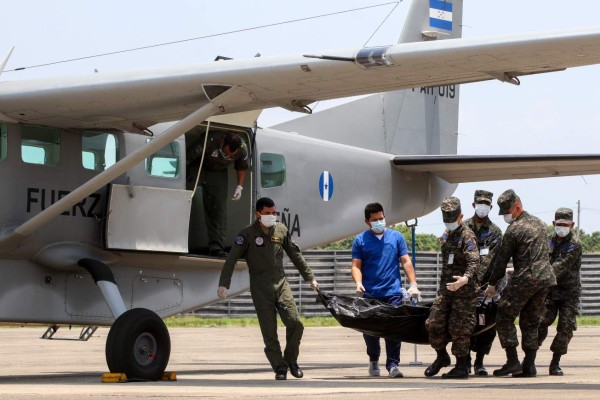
(98,228)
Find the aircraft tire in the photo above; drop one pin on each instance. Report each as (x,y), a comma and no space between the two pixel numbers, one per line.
(138,344)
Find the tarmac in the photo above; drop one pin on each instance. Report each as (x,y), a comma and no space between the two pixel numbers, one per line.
(229,363)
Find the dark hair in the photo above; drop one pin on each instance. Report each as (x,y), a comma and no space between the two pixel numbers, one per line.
(372,208)
(233,141)
(264,202)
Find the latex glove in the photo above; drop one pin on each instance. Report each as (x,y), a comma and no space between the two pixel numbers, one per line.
(490,291)
(238,193)
(414,292)
(360,289)
(509,271)
(222,292)
(314,284)
(460,282)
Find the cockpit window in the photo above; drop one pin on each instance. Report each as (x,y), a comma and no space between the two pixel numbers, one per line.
(2,141)
(99,150)
(40,145)
(272,170)
(165,162)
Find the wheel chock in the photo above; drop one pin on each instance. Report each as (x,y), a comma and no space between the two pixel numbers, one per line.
(169,376)
(114,377)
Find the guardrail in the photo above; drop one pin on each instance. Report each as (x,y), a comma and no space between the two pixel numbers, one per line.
(332,271)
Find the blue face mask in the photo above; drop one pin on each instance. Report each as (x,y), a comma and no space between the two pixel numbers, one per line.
(378,226)
(451,226)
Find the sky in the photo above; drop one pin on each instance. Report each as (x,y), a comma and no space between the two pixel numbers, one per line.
(553,113)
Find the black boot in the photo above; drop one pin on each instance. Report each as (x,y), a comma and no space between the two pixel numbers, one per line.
(478,368)
(442,360)
(512,366)
(460,371)
(528,367)
(554,366)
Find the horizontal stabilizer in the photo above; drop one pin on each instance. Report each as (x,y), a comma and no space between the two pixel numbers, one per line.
(467,168)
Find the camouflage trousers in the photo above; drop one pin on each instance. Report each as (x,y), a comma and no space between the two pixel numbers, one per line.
(452,318)
(525,302)
(567,311)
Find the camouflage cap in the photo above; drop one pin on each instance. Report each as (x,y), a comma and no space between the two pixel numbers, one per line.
(506,200)
(483,195)
(450,209)
(563,216)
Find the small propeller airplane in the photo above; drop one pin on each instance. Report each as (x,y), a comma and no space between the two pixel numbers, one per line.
(98,228)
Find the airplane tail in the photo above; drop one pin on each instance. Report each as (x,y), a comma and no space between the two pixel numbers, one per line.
(417,121)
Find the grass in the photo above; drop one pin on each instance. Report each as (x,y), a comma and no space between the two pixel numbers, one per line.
(190,321)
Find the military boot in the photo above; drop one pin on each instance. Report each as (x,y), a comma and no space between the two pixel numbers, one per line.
(512,366)
(478,368)
(442,360)
(460,371)
(554,366)
(528,369)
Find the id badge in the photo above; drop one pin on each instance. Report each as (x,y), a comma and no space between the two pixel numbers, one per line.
(484,251)
(451,259)
(481,319)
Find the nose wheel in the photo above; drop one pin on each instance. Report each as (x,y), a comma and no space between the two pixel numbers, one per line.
(138,345)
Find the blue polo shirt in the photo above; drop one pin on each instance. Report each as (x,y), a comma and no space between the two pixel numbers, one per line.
(380,261)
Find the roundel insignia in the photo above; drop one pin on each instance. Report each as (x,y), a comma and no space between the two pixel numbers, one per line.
(239,240)
(259,241)
(326,186)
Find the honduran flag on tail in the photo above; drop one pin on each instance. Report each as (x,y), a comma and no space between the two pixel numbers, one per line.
(440,14)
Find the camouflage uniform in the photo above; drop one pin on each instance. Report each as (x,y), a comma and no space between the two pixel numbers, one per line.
(452,316)
(489,239)
(213,181)
(563,299)
(525,240)
(269,287)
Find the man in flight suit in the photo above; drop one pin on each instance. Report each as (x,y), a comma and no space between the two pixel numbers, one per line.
(262,245)
(222,150)
(563,299)
(526,241)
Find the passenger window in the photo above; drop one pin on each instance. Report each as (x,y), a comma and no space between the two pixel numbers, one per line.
(272,170)
(40,145)
(98,150)
(2,141)
(165,162)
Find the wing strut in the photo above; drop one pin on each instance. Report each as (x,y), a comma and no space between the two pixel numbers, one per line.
(232,96)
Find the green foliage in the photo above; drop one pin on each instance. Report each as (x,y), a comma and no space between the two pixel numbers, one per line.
(194,321)
(424,242)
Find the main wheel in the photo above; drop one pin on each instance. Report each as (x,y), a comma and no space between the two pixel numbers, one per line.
(138,345)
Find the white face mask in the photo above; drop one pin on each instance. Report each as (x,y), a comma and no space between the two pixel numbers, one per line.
(451,226)
(482,210)
(378,226)
(268,220)
(508,218)
(562,231)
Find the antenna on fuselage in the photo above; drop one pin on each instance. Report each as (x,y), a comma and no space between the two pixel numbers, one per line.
(5,60)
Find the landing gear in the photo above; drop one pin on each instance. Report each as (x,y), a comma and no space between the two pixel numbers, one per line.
(138,345)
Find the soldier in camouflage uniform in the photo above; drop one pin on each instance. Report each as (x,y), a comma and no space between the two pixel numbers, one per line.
(526,241)
(563,299)
(262,245)
(489,239)
(452,316)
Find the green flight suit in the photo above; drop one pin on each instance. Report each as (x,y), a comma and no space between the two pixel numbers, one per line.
(269,287)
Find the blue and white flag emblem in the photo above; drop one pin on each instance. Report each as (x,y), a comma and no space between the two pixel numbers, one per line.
(440,14)
(326,186)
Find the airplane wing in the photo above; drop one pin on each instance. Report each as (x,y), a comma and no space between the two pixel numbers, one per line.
(135,100)
(466,168)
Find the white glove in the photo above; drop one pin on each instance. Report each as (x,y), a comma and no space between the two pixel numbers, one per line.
(490,291)
(314,284)
(222,292)
(360,289)
(414,292)
(238,193)
(509,271)
(460,282)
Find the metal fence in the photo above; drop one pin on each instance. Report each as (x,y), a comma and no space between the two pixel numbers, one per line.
(332,271)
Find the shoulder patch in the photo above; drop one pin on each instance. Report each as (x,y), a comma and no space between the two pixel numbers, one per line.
(239,240)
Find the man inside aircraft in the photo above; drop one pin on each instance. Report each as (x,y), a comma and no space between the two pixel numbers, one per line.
(213,158)
(452,315)
(376,255)
(262,245)
(526,241)
(563,299)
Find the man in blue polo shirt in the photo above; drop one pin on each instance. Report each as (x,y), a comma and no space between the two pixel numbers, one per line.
(376,257)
